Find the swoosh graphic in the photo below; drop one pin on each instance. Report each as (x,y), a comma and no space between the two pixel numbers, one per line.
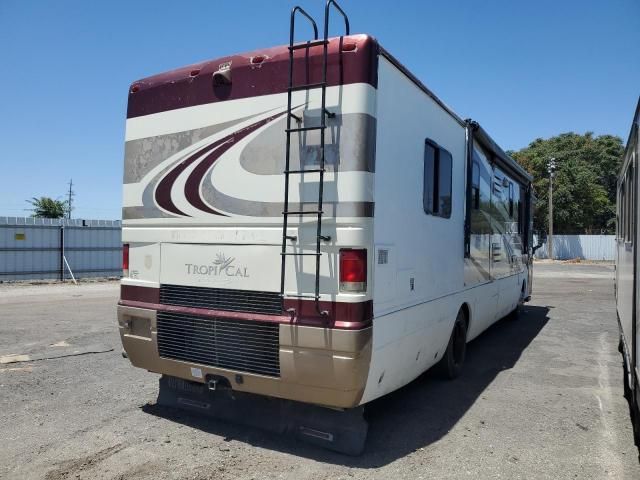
(163,190)
(192,185)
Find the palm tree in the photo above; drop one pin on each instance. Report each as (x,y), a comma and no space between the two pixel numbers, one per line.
(45,207)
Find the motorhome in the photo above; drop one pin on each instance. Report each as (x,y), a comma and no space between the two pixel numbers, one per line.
(311,223)
(626,275)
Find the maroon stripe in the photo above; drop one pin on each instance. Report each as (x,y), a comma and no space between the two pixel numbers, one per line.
(342,315)
(140,294)
(205,312)
(192,185)
(163,190)
(178,89)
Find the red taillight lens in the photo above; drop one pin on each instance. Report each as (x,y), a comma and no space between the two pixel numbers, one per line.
(353,270)
(125,259)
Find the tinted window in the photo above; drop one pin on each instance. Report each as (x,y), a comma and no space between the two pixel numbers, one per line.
(444,177)
(436,196)
(475,185)
(429,176)
(629,205)
(511,200)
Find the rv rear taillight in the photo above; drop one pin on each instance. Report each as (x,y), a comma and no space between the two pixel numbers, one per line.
(353,270)
(125,259)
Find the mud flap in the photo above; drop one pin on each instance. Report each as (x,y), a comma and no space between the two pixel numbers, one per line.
(343,431)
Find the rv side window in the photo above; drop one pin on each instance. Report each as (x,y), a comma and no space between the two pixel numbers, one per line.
(444,181)
(475,185)
(521,212)
(627,221)
(627,235)
(436,194)
(511,199)
(621,220)
(629,205)
(428,191)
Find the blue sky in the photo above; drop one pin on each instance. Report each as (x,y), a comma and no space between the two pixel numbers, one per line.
(522,69)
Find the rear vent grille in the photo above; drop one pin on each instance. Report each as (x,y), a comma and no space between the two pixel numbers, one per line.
(251,347)
(221,299)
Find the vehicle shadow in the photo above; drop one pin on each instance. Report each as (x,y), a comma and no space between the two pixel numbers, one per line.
(410,418)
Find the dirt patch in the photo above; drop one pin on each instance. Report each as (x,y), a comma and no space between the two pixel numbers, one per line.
(74,468)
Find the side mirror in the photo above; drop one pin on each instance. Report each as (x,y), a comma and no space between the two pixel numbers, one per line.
(542,238)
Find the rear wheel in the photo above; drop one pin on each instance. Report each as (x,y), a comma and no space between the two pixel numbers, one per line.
(636,425)
(515,313)
(625,375)
(450,364)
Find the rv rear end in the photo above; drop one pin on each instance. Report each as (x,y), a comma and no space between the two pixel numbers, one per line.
(205,297)
(254,261)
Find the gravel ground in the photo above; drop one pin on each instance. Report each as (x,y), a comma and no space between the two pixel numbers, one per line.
(540,397)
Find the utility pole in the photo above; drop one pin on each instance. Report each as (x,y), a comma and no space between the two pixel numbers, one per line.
(70,198)
(551,168)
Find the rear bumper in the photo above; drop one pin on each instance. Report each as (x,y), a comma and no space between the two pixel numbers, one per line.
(318,365)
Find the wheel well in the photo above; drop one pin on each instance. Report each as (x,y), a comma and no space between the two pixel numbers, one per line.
(467,314)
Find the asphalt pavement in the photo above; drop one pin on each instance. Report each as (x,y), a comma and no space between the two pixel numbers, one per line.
(540,397)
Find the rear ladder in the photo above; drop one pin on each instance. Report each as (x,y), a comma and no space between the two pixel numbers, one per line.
(300,129)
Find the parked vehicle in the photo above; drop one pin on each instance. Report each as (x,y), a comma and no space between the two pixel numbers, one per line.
(311,223)
(627,269)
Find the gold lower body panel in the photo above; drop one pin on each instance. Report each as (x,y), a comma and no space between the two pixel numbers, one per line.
(322,366)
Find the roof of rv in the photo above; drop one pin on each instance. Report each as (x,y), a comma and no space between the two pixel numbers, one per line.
(252,74)
(266,71)
(631,142)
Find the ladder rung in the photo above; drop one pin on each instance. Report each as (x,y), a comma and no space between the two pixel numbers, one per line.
(304,129)
(308,86)
(312,43)
(301,254)
(310,170)
(304,212)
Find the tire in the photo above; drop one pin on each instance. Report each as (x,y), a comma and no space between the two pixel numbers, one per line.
(635,414)
(450,364)
(625,383)
(515,313)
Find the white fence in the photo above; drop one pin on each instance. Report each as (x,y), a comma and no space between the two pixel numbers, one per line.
(585,247)
(36,248)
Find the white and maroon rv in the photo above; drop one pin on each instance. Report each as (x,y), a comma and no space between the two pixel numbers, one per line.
(311,223)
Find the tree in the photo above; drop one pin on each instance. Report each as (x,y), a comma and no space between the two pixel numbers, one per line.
(584,187)
(45,207)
